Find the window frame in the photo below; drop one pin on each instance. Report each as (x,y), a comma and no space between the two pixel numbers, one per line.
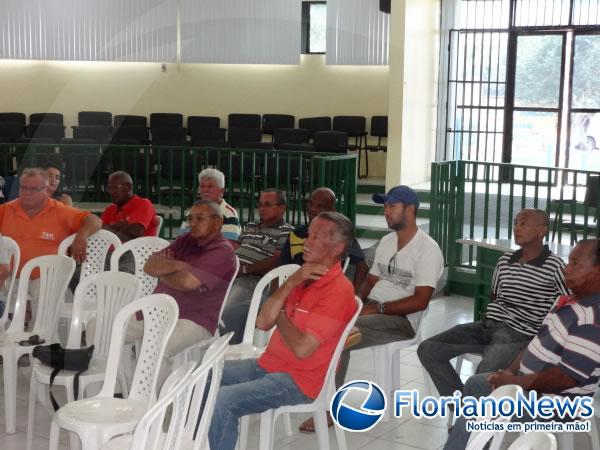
(305,27)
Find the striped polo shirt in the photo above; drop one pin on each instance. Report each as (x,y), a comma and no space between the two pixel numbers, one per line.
(231,223)
(570,340)
(523,293)
(258,243)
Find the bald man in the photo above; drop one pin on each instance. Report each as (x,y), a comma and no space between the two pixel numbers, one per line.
(321,200)
(129,216)
(525,284)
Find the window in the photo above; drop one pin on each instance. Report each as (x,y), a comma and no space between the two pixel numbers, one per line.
(314,27)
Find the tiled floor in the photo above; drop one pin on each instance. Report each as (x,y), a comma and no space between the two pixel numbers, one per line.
(404,433)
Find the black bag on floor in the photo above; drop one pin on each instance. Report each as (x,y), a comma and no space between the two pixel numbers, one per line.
(59,358)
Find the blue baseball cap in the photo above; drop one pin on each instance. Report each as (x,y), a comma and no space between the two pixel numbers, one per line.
(398,194)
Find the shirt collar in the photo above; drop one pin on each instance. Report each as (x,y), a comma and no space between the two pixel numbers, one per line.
(333,272)
(126,203)
(538,261)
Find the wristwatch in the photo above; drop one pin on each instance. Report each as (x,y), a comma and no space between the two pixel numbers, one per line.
(380,308)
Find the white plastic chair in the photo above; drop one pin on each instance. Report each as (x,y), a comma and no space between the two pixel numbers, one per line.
(113,291)
(247,348)
(386,360)
(318,407)
(534,441)
(474,359)
(186,354)
(98,245)
(98,419)
(142,248)
(159,224)
(182,397)
(566,440)
(55,273)
(478,440)
(9,254)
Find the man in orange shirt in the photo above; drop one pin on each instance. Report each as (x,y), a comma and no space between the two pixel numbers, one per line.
(39,224)
(129,216)
(310,311)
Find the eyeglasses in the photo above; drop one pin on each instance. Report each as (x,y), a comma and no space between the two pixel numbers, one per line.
(112,187)
(392,264)
(31,190)
(199,218)
(267,204)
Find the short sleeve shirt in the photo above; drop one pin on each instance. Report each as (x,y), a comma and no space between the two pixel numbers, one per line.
(212,261)
(231,223)
(42,234)
(322,309)
(136,210)
(418,263)
(259,243)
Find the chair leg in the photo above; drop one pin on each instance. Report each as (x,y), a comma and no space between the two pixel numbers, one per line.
(321,429)
(595,434)
(565,441)
(10,391)
(54,436)
(340,436)
(266,430)
(288,424)
(73,438)
(31,411)
(243,439)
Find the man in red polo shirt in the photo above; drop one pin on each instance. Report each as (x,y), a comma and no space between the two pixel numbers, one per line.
(310,311)
(129,216)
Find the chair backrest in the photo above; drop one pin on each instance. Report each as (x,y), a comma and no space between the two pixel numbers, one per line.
(142,248)
(55,118)
(10,254)
(243,121)
(272,122)
(331,141)
(49,131)
(353,125)
(166,120)
(183,392)
(479,439)
(15,117)
(281,274)
(239,135)
(290,136)
(10,131)
(127,120)
(112,291)
(160,313)
(98,245)
(99,133)
(314,124)
(103,118)
(199,122)
(207,136)
(329,383)
(135,134)
(168,135)
(55,273)
(158,220)
(237,268)
(534,441)
(379,126)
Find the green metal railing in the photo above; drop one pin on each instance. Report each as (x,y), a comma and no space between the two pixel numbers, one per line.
(471,199)
(168,174)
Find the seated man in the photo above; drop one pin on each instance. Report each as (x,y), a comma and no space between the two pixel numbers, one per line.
(564,357)
(525,284)
(129,216)
(53,167)
(322,199)
(310,311)
(408,264)
(259,251)
(39,224)
(196,270)
(211,186)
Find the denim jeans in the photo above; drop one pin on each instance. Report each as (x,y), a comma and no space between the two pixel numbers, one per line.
(495,341)
(246,388)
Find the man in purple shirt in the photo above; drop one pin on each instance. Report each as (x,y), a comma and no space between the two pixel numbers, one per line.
(195,270)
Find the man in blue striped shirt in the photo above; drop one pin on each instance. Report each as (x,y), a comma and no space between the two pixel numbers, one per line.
(564,357)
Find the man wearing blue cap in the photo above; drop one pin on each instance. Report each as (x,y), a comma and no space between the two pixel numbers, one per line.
(408,264)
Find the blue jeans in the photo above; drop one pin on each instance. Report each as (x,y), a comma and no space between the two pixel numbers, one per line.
(246,388)
(496,342)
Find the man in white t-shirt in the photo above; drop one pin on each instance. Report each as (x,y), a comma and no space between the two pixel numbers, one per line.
(408,264)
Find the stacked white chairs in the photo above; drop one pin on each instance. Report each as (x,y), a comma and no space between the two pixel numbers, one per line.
(55,273)
(185,399)
(113,290)
(141,248)
(319,406)
(9,254)
(98,419)
(98,246)
(478,440)
(386,360)
(534,441)
(187,354)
